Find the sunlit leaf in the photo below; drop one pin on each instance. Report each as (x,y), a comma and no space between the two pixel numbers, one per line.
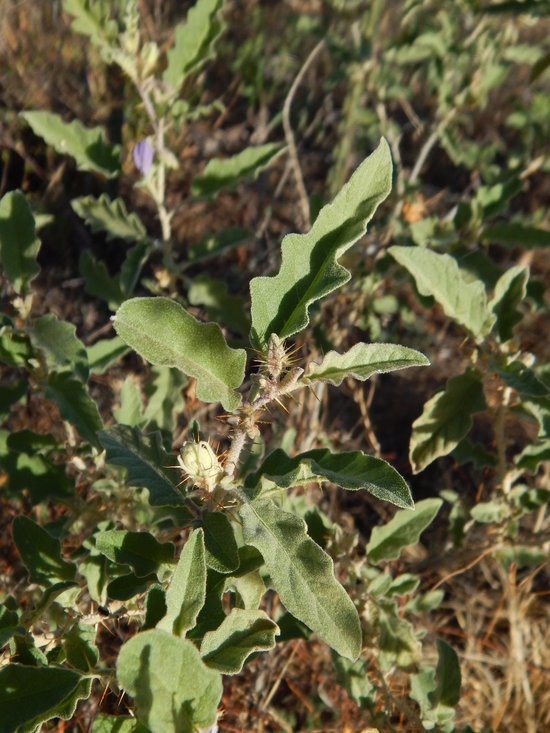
(111,217)
(143,552)
(62,348)
(80,648)
(510,290)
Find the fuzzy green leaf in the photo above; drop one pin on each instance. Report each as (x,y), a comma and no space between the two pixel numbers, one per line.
(352,676)
(310,268)
(86,145)
(539,408)
(404,529)
(9,626)
(446,419)
(104,353)
(111,217)
(187,590)
(143,552)
(462,298)
(98,281)
(165,334)
(532,455)
(228,172)
(353,471)
(40,553)
(80,648)
(241,634)
(516,234)
(19,244)
(397,643)
(62,348)
(362,361)
(10,394)
(173,690)
(155,606)
(521,378)
(115,724)
(510,290)
(194,42)
(130,410)
(212,245)
(75,406)
(130,271)
(303,575)
(165,398)
(92,18)
(128,586)
(223,308)
(148,464)
(438,691)
(222,553)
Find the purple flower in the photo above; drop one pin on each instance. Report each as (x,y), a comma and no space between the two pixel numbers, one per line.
(143,155)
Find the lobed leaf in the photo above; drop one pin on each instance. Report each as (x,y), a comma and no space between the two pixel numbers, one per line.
(63,350)
(310,268)
(86,145)
(520,377)
(92,18)
(19,244)
(98,281)
(75,405)
(165,334)
(143,552)
(510,290)
(362,361)
(532,456)
(397,643)
(40,553)
(353,471)
(130,271)
(303,575)
(111,217)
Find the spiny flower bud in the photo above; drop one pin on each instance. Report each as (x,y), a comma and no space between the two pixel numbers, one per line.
(276,357)
(201,464)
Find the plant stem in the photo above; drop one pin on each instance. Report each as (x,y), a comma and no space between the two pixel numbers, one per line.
(500,439)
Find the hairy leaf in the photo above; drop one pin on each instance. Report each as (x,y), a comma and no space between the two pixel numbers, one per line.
(532,455)
(397,643)
(362,361)
(438,691)
(510,290)
(104,353)
(80,648)
(149,465)
(310,268)
(131,267)
(165,399)
(221,307)
(516,234)
(446,419)
(222,553)
(86,145)
(19,244)
(102,215)
(212,245)
(98,281)
(40,553)
(352,676)
(9,626)
(521,378)
(127,586)
(173,690)
(143,552)
(10,394)
(63,349)
(130,410)
(92,18)
(303,575)
(75,406)
(353,471)
(165,334)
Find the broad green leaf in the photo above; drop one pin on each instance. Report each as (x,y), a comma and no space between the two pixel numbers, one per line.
(187,590)
(165,398)
(130,271)
(102,215)
(92,18)
(222,308)
(516,234)
(149,465)
(362,361)
(404,529)
(446,419)
(228,172)
(40,553)
(62,348)
(212,245)
(353,471)
(75,405)
(9,626)
(155,607)
(80,648)
(466,451)
(438,691)
(39,476)
(397,643)
(94,569)
(25,441)
(19,244)
(521,378)
(240,634)
(104,353)
(194,42)
(127,586)
(532,455)
(510,290)
(211,614)
(352,676)
(30,696)
(130,410)
(143,552)
(165,334)
(249,586)
(173,690)
(10,394)
(310,268)
(98,281)
(462,299)
(86,145)
(222,553)
(303,575)
(113,724)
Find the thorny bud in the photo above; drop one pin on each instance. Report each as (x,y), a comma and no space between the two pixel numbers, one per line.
(276,357)
(201,464)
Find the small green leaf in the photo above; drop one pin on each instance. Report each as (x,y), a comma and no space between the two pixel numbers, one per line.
(63,349)
(10,394)
(40,553)
(310,268)
(42,478)
(516,234)
(155,607)
(130,271)
(130,410)
(113,724)
(404,529)
(227,173)
(50,595)
(30,696)
(211,614)
(539,408)
(165,398)
(92,18)
(127,586)
(222,553)
(86,145)
(466,451)
(438,692)
(462,298)
(248,585)
(532,456)
(510,290)
(104,353)
(194,42)
(362,361)
(9,626)
(487,512)
(494,199)
(75,405)
(15,348)
(303,575)
(165,334)
(173,690)
(212,245)
(143,552)
(240,634)
(403,585)
(353,471)
(94,569)
(102,215)
(80,648)
(98,281)
(521,378)
(446,418)
(19,244)
(187,590)
(223,308)
(397,643)
(352,676)
(148,464)
(25,441)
